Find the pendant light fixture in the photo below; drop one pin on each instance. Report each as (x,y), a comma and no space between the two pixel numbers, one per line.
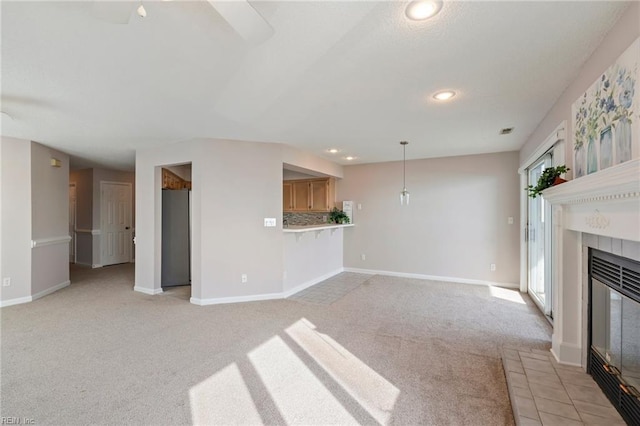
(404,194)
(141,11)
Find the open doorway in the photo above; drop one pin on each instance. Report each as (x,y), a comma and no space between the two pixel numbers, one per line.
(176,231)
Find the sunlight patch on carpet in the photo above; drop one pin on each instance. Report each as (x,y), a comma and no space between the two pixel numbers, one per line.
(299,395)
(372,391)
(223,398)
(506,294)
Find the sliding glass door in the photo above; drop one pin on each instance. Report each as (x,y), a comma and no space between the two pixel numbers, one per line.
(538,241)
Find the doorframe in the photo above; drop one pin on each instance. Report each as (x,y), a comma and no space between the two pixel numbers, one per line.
(555,142)
(74,237)
(131,227)
(546,306)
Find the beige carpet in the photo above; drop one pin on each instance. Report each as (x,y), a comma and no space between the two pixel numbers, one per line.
(390,351)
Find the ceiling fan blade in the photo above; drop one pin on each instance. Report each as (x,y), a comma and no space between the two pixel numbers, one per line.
(244,19)
(116,12)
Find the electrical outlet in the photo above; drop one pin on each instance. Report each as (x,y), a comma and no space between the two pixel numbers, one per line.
(510,220)
(359,206)
(324,219)
(243,278)
(6,282)
(269,222)
(363,256)
(492,267)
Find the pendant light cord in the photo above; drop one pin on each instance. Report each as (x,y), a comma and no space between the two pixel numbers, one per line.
(404,164)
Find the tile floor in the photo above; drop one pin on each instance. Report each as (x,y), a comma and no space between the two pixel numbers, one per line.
(332,289)
(544,392)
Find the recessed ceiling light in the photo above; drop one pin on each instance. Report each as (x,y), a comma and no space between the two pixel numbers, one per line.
(419,10)
(445,95)
(333,150)
(349,158)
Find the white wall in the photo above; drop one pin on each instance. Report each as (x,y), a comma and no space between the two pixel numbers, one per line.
(235,186)
(15,180)
(241,185)
(292,175)
(49,220)
(311,257)
(306,160)
(35,200)
(455,226)
(623,33)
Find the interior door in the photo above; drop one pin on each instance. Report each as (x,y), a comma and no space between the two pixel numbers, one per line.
(116,223)
(538,241)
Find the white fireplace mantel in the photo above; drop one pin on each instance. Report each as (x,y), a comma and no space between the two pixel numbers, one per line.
(606,203)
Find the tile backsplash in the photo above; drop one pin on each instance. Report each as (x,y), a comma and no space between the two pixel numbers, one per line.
(302,219)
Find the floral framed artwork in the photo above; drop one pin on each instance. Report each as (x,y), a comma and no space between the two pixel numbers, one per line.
(606,118)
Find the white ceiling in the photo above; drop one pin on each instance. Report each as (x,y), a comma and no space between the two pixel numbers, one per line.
(357,76)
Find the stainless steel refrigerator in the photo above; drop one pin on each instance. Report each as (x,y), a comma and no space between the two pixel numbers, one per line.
(176,241)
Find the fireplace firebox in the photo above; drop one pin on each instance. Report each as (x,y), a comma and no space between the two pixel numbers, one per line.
(614,330)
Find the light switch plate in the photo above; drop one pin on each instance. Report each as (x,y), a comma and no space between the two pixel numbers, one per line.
(269,222)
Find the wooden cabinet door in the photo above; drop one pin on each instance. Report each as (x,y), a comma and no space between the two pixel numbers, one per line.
(320,195)
(287,197)
(301,200)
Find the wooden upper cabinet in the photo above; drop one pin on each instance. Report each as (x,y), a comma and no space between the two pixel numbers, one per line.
(287,196)
(171,180)
(316,195)
(301,196)
(319,195)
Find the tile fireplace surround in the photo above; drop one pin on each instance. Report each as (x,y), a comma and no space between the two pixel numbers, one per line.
(601,210)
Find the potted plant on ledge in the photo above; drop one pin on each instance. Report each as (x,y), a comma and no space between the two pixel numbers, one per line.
(549,177)
(338,216)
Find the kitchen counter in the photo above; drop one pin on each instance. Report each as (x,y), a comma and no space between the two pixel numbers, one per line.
(309,228)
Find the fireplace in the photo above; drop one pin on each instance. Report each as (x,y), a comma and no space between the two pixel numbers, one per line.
(601,211)
(614,330)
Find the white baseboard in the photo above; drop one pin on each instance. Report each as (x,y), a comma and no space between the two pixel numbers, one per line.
(16,301)
(27,299)
(95,266)
(566,353)
(235,299)
(149,291)
(51,290)
(267,296)
(432,277)
(310,283)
